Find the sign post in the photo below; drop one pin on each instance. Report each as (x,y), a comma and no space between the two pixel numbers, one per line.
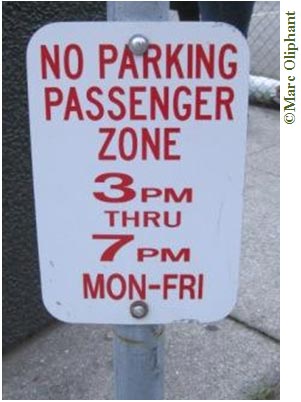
(138,139)
(138,349)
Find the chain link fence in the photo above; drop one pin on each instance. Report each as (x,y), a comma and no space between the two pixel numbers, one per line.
(263,39)
(264,45)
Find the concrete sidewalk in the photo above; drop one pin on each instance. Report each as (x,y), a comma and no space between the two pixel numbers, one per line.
(237,358)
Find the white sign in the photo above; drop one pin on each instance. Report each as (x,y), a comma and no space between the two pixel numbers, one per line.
(138,165)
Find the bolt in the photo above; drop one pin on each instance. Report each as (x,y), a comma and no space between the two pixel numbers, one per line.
(138,44)
(139,309)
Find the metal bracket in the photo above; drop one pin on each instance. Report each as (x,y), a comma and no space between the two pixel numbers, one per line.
(137,10)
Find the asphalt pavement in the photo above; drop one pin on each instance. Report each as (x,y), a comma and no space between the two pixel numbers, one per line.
(236,358)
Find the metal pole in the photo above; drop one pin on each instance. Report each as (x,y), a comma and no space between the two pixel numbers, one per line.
(138,349)
(139,362)
(137,10)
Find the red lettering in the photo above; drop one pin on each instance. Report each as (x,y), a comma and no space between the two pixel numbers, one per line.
(186,108)
(110,252)
(222,101)
(147,193)
(199,102)
(187,283)
(127,217)
(128,136)
(93,91)
(167,221)
(153,60)
(109,132)
(128,63)
(112,215)
(114,286)
(190,61)
(149,143)
(159,102)
(95,290)
(107,55)
(136,287)
(171,195)
(206,60)
(231,65)
(201,286)
(78,61)
(151,216)
(111,287)
(117,286)
(73,105)
(169,143)
(134,102)
(167,284)
(73,61)
(123,186)
(145,218)
(143,253)
(51,61)
(167,253)
(172,60)
(51,101)
(122,109)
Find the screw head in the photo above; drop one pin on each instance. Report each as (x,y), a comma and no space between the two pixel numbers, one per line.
(138,44)
(139,309)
